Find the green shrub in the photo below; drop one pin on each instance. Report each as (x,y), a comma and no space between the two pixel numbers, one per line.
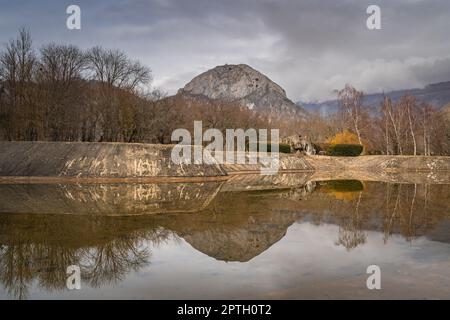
(345,150)
(282,148)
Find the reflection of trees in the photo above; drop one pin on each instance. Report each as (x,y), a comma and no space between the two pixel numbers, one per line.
(103,258)
(16,270)
(350,233)
(411,210)
(109,263)
(405,210)
(402,210)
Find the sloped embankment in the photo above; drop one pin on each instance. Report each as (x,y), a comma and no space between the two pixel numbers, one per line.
(380,163)
(26,160)
(95,160)
(286,163)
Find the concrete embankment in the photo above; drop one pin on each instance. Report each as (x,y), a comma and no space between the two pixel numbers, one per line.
(95,160)
(380,163)
(286,163)
(25,161)
(365,167)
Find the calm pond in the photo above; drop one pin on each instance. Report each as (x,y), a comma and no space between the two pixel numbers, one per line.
(250,237)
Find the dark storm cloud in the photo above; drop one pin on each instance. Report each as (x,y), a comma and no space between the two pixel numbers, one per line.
(308,47)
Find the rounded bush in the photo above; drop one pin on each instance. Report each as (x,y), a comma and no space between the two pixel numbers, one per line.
(345,150)
(284,148)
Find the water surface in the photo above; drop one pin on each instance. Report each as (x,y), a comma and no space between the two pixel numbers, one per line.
(250,237)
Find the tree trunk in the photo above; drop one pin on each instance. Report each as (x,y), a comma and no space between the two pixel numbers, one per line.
(397,135)
(411,130)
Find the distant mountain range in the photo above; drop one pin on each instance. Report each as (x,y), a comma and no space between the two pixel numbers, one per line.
(437,94)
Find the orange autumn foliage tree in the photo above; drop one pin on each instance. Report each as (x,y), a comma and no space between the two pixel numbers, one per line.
(345,137)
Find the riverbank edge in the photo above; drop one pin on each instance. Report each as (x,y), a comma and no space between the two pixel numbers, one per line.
(74,162)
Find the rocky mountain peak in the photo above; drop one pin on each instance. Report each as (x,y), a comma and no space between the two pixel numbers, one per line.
(243,84)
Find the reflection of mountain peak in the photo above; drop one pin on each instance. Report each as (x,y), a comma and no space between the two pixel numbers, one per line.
(241,241)
(230,233)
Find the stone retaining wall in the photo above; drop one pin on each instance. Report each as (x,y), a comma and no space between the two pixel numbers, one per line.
(95,160)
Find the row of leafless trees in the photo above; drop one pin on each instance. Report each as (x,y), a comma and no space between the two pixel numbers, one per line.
(404,127)
(413,127)
(62,93)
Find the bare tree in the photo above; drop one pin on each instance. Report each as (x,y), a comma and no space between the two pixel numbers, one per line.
(393,118)
(408,104)
(350,101)
(59,76)
(17,64)
(112,67)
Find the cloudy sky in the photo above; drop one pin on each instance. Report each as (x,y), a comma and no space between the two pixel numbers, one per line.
(309,47)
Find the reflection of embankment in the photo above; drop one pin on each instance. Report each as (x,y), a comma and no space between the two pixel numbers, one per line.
(269,182)
(410,177)
(110,199)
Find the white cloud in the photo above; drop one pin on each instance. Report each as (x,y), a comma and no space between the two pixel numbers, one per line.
(308,47)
